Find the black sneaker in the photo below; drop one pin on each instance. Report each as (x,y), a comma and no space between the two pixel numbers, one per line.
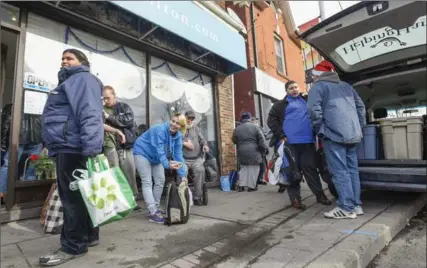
(137,208)
(282,188)
(56,258)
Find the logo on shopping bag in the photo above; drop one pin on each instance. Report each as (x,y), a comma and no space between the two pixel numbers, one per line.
(102,194)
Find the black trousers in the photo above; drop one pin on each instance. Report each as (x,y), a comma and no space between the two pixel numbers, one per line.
(77,230)
(305,158)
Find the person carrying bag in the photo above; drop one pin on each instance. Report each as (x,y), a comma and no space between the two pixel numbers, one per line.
(105,191)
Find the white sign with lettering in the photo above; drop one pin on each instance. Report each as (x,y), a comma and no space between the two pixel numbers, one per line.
(34,102)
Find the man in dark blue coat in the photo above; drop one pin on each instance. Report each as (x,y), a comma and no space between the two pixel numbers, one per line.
(289,121)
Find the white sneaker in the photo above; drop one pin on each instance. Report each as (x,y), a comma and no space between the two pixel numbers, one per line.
(338,213)
(358,210)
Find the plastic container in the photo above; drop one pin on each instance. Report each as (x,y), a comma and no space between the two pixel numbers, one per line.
(225,183)
(368,147)
(402,138)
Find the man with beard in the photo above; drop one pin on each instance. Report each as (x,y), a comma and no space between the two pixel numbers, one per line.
(195,146)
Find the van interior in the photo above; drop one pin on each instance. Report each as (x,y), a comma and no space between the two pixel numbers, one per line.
(380,48)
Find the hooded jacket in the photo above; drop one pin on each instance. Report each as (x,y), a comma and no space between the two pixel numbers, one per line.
(194,135)
(157,143)
(336,110)
(29,132)
(72,120)
(276,118)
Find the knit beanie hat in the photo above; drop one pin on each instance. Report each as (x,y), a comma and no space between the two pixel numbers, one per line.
(246,115)
(323,67)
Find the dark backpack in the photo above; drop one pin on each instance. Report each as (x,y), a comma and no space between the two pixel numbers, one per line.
(291,171)
(177,205)
(211,168)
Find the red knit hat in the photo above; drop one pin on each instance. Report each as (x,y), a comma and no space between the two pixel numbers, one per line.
(322,67)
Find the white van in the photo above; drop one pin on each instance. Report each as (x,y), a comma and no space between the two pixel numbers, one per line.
(380,48)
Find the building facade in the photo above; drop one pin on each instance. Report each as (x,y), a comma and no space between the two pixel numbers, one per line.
(162,57)
(273,56)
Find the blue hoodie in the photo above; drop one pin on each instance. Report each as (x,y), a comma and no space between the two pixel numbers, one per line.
(155,144)
(72,119)
(296,125)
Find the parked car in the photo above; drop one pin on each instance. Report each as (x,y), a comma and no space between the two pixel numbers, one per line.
(380,48)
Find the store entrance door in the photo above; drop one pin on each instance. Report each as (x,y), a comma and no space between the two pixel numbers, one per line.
(9,45)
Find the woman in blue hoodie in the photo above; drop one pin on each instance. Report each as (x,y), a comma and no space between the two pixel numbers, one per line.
(159,148)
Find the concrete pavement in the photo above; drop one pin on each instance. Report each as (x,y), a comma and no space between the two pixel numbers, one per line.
(256,229)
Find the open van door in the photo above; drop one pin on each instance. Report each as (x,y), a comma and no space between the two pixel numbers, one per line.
(380,48)
(372,36)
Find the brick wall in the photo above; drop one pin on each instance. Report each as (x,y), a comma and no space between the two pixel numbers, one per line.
(267,24)
(227,152)
(243,93)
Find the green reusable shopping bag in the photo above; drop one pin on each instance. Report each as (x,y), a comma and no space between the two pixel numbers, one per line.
(106,192)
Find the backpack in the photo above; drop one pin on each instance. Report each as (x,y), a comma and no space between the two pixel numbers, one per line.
(177,203)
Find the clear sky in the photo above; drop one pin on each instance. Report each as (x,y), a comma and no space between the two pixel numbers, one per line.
(304,11)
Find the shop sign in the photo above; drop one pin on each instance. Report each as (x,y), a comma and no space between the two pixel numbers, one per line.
(35,82)
(269,85)
(34,102)
(193,23)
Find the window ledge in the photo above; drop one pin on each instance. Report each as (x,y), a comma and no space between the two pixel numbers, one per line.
(283,75)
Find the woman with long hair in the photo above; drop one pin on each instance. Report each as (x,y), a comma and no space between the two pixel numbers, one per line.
(157,150)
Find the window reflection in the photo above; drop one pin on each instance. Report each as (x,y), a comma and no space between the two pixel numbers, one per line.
(170,95)
(43,50)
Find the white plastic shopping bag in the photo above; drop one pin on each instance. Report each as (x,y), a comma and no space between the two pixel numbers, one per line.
(106,193)
(275,174)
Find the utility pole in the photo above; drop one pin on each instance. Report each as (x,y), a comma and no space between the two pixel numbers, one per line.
(322,10)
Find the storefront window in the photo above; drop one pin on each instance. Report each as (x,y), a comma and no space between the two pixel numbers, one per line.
(173,92)
(115,65)
(267,103)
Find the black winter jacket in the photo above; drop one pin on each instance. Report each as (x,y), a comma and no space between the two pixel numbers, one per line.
(124,120)
(30,129)
(6,117)
(276,116)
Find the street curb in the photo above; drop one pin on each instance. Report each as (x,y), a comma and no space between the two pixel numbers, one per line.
(364,244)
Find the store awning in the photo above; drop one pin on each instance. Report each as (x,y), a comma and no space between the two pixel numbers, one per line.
(196,25)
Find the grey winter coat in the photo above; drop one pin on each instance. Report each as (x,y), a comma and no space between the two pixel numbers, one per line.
(251,144)
(336,110)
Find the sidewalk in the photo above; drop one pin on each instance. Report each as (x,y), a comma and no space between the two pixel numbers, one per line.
(235,230)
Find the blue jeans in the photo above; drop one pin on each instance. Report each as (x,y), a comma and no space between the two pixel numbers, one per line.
(148,173)
(343,166)
(31,171)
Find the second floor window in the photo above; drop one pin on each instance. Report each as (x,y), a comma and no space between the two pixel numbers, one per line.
(280,58)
